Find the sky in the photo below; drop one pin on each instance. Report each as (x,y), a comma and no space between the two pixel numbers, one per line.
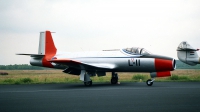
(94,25)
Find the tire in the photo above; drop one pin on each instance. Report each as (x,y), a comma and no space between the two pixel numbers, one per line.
(114,80)
(149,83)
(88,83)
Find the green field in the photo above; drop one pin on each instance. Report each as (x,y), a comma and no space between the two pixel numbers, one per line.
(57,76)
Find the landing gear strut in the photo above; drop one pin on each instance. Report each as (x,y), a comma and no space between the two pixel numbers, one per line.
(85,77)
(149,82)
(114,78)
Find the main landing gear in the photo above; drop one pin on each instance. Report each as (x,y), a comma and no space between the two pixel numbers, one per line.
(88,83)
(149,82)
(85,77)
(114,78)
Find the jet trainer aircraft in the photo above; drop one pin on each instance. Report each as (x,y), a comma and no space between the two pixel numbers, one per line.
(87,64)
(187,54)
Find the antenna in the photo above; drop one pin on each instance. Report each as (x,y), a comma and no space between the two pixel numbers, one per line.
(81,49)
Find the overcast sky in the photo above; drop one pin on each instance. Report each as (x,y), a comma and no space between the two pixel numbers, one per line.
(92,25)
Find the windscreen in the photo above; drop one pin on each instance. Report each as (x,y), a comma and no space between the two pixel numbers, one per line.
(136,51)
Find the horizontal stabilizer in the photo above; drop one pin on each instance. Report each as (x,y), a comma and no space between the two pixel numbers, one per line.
(32,55)
(187,49)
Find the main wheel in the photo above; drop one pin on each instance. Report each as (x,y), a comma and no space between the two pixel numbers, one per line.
(88,83)
(114,80)
(149,82)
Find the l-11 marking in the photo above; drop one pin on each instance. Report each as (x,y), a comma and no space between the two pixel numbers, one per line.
(133,61)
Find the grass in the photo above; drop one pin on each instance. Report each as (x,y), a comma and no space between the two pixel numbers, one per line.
(177,77)
(139,77)
(57,76)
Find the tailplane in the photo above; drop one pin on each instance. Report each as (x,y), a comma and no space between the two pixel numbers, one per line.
(46,51)
(187,54)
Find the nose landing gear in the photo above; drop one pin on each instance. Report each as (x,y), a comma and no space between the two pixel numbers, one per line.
(149,82)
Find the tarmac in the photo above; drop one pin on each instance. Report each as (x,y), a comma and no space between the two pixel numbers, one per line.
(101,97)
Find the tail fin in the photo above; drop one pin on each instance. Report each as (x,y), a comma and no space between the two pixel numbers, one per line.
(187,54)
(46,48)
(46,44)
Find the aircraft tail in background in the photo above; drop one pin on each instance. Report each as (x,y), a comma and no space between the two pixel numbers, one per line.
(187,54)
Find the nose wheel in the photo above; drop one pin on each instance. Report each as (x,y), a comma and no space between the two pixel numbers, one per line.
(149,82)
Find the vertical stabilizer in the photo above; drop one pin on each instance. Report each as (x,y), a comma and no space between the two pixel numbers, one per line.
(46,44)
(46,51)
(49,48)
(41,49)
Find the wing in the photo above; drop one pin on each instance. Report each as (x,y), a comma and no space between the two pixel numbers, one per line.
(82,65)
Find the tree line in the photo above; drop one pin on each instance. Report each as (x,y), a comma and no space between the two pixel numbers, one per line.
(21,67)
(181,65)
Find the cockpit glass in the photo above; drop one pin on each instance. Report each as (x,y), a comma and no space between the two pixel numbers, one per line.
(145,52)
(136,51)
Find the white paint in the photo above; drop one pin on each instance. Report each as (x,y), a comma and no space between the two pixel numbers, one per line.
(41,49)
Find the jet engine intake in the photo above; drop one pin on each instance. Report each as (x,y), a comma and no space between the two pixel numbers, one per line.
(165,65)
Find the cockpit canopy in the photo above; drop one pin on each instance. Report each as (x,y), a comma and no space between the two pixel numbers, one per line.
(136,51)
